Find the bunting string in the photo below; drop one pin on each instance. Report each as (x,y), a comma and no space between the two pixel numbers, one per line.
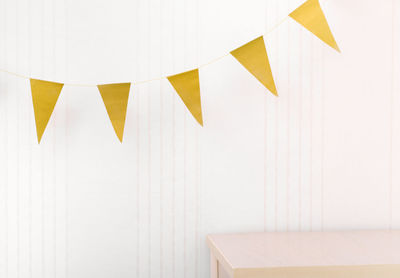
(252,56)
(155,78)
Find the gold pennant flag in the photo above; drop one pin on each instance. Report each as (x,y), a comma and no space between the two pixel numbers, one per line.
(311,16)
(253,56)
(44,97)
(187,86)
(115,98)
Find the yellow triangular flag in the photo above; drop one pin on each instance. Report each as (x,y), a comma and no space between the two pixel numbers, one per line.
(253,56)
(311,16)
(44,97)
(115,98)
(187,86)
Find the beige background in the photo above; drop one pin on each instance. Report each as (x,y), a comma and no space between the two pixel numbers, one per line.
(321,156)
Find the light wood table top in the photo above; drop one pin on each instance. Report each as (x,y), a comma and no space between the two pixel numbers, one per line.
(308,254)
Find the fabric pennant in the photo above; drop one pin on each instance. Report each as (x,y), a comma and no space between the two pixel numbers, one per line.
(115,98)
(187,86)
(44,97)
(311,16)
(253,56)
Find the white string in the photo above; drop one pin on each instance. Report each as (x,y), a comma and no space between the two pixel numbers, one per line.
(147,80)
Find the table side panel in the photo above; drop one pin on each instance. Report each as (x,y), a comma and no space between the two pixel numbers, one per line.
(369,271)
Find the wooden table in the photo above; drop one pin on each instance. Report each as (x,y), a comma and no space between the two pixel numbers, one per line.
(351,254)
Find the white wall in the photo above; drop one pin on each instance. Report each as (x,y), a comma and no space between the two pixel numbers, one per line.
(321,156)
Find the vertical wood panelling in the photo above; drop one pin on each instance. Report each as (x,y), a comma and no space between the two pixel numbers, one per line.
(66,157)
(4,148)
(320,156)
(395,208)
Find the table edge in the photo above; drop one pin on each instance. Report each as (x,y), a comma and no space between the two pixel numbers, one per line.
(344,271)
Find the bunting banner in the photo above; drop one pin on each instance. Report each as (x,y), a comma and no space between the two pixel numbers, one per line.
(187,86)
(44,97)
(115,98)
(253,56)
(311,16)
